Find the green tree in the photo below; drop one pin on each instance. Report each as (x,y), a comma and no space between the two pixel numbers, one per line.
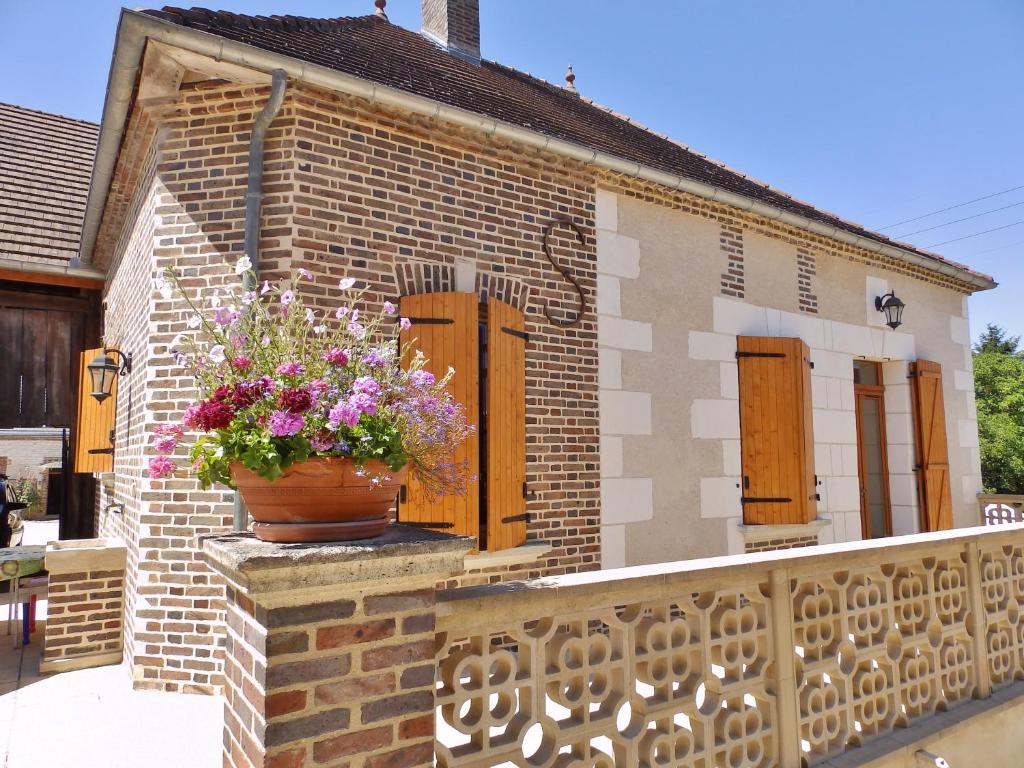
(999,389)
(994,339)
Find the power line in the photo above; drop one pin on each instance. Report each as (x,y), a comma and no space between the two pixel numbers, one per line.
(998,248)
(957,221)
(976,234)
(950,208)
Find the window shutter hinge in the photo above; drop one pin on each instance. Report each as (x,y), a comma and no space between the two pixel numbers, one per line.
(513,332)
(428,524)
(525,516)
(760,354)
(527,494)
(768,500)
(430,320)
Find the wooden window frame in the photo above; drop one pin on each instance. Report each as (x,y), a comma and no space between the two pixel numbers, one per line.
(877,392)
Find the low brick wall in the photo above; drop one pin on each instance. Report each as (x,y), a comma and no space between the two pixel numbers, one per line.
(85,615)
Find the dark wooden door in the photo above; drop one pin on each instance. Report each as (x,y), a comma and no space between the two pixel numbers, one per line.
(43,330)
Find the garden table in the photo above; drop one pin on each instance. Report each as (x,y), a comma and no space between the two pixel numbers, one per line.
(16,563)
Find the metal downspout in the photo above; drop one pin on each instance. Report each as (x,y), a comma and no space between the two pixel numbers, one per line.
(253,204)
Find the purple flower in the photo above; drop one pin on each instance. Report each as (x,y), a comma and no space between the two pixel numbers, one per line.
(356,329)
(336,356)
(364,403)
(343,413)
(283,423)
(303,272)
(291,368)
(390,308)
(288,297)
(405,323)
(373,357)
(366,385)
(321,442)
(225,316)
(422,379)
(161,467)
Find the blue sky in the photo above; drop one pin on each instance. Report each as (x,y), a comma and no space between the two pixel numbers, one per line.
(879,110)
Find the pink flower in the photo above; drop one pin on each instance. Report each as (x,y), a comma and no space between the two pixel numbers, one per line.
(191,418)
(343,413)
(321,442)
(288,297)
(161,467)
(165,444)
(363,403)
(303,272)
(390,308)
(405,323)
(341,312)
(336,356)
(284,424)
(291,368)
(173,430)
(356,329)
(366,385)
(241,363)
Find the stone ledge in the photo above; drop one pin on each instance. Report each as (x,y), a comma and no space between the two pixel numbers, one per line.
(528,552)
(752,533)
(83,555)
(274,572)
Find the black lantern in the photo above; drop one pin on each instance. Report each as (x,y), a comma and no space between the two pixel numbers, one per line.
(891,306)
(104,368)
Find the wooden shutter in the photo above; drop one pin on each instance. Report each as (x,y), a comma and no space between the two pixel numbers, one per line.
(95,421)
(445,327)
(505,413)
(777,443)
(930,446)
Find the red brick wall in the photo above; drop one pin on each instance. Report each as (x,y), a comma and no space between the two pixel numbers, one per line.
(349,191)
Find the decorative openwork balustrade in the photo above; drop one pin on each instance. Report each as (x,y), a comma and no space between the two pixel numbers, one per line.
(999,508)
(760,660)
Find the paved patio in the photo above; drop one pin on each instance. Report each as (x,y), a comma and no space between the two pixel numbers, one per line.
(92,718)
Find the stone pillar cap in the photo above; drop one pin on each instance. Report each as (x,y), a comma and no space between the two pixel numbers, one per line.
(270,572)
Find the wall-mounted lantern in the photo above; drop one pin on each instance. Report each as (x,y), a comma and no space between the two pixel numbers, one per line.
(892,307)
(104,368)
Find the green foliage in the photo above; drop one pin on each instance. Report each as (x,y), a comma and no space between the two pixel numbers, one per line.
(994,339)
(999,389)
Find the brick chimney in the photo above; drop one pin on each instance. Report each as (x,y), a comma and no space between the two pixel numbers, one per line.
(455,25)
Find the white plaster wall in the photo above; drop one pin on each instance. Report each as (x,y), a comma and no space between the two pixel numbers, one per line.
(669,391)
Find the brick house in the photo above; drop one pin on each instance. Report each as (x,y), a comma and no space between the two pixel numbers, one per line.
(49,310)
(663,311)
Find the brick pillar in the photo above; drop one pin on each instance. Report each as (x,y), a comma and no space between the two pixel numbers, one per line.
(330,648)
(85,609)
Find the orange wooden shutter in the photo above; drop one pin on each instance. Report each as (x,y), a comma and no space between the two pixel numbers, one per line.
(931,450)
(445,327)
(776,438)
(95,421)
(505,411)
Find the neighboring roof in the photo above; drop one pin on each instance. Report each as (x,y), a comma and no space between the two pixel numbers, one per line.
(370,48)
(45,164)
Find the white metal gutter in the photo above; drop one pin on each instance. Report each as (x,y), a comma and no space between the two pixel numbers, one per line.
(134,28)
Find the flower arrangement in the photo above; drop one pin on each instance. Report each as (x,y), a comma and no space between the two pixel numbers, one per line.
(281,382)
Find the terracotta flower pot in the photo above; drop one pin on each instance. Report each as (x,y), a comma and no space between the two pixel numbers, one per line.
(321,499)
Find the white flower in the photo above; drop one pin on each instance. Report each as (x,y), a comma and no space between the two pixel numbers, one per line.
(265,289)
(217,353)
(165,288)
(243,265)
(194,321)
(318,329)
(346,282)
(215,300)
(310,317)
(342,311)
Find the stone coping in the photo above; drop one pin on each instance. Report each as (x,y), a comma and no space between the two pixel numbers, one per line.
(83,555)
(763,532)
(526,553)
(403,552)
(666,578)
